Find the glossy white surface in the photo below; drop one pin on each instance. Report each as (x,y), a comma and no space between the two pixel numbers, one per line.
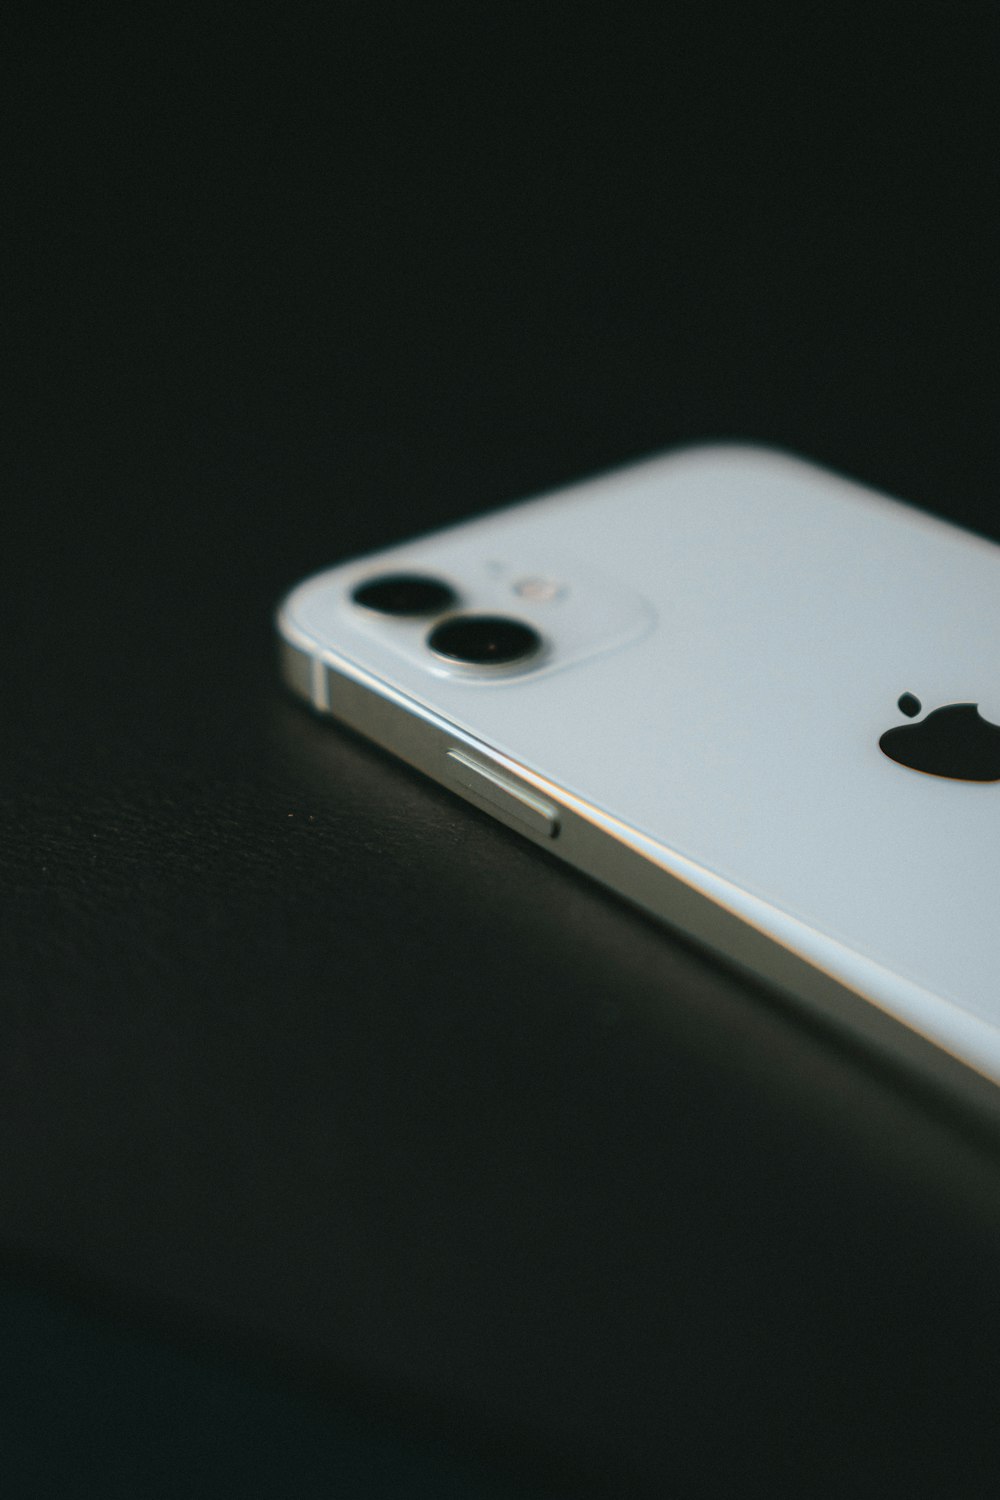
(734,631)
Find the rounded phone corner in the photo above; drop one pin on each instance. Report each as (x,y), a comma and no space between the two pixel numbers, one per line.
(737,453)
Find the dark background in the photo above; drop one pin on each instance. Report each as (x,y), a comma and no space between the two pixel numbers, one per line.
(348,1145)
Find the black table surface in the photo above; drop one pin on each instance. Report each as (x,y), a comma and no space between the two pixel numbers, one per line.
(312,1076)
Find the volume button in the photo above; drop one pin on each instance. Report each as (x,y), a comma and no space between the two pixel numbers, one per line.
(500,794)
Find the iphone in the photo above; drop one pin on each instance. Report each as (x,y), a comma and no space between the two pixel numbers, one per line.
(757,698)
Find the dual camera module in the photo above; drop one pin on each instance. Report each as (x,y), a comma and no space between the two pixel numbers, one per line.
(470,639)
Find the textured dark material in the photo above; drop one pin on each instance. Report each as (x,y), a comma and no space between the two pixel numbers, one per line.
(302,1061)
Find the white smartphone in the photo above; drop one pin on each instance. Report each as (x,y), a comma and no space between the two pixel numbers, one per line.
(754,697)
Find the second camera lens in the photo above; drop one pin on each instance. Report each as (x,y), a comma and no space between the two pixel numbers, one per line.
(405,594)
(484,640)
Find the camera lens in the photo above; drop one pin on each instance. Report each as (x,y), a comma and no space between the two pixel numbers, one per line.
(405,594)
(484,640)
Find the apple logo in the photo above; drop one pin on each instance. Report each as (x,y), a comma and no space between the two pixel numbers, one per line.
(954,741)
